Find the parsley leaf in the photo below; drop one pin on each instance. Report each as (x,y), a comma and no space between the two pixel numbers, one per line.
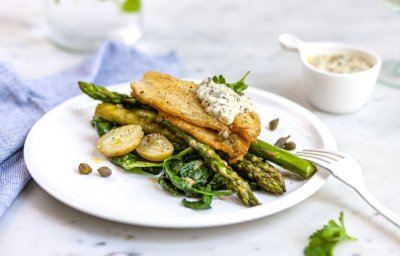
(219,80)
(238,86)
(323,241)
(130,6)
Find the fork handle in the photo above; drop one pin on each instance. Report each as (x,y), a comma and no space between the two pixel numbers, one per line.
(380,208)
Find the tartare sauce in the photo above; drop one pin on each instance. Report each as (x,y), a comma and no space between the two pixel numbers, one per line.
(339,63)
(222,102)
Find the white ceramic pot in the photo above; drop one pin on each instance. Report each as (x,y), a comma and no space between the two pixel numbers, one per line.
(335,92)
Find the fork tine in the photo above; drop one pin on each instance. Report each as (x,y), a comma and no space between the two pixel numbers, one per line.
(316,161)
(322,153)
(315,156)
(335,153)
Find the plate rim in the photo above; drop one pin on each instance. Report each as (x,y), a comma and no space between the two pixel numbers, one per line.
(300,194)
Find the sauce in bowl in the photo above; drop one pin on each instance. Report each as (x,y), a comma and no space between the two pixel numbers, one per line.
(339,63)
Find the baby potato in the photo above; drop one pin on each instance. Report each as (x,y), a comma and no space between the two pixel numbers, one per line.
(155,147)
(120,141)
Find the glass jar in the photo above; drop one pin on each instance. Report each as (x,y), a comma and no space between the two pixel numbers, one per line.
(82,25)
(390,72)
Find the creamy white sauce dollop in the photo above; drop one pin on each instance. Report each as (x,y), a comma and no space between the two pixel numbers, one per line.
(222,102)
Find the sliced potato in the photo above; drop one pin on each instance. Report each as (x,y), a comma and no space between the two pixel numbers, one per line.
(120,141)
(155,147)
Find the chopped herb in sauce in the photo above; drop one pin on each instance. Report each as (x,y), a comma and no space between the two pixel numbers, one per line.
(222,102)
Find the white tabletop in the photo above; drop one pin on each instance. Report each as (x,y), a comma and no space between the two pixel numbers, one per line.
(228,37)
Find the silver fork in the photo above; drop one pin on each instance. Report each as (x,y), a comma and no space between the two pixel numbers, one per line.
(346,169)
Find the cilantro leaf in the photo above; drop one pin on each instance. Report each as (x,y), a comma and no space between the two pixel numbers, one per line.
(130,6)
(323,241)
(238,86)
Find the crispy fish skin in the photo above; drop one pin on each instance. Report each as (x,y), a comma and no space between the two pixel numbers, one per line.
(174,96)
(247,125)
(234,145)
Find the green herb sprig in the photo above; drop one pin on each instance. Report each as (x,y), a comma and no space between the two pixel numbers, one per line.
(130,6)
(127,6)
(323,241)
(238,86)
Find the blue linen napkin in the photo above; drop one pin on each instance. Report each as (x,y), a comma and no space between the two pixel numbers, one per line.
(23,102)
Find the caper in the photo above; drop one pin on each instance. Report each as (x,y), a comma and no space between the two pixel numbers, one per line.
(104,171)
(273,124)
(280,143)
(290,146)
(84,169)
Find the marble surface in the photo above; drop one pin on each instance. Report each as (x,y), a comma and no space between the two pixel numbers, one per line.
(227,37)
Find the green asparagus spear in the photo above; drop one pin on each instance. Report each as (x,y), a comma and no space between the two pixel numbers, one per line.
(101,93)
(283,158)
(264,174)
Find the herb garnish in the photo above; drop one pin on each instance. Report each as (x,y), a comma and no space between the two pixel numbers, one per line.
(130,6)
(323,241)
(238,86)
(127,6)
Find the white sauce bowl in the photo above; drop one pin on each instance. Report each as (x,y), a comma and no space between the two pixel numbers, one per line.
(335,92)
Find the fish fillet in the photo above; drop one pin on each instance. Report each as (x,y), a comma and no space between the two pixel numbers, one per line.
(179,98)
(177,101)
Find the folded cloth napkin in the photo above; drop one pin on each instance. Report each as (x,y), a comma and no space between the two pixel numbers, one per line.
(23,102)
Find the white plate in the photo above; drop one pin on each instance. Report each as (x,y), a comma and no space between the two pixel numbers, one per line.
(63,138)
